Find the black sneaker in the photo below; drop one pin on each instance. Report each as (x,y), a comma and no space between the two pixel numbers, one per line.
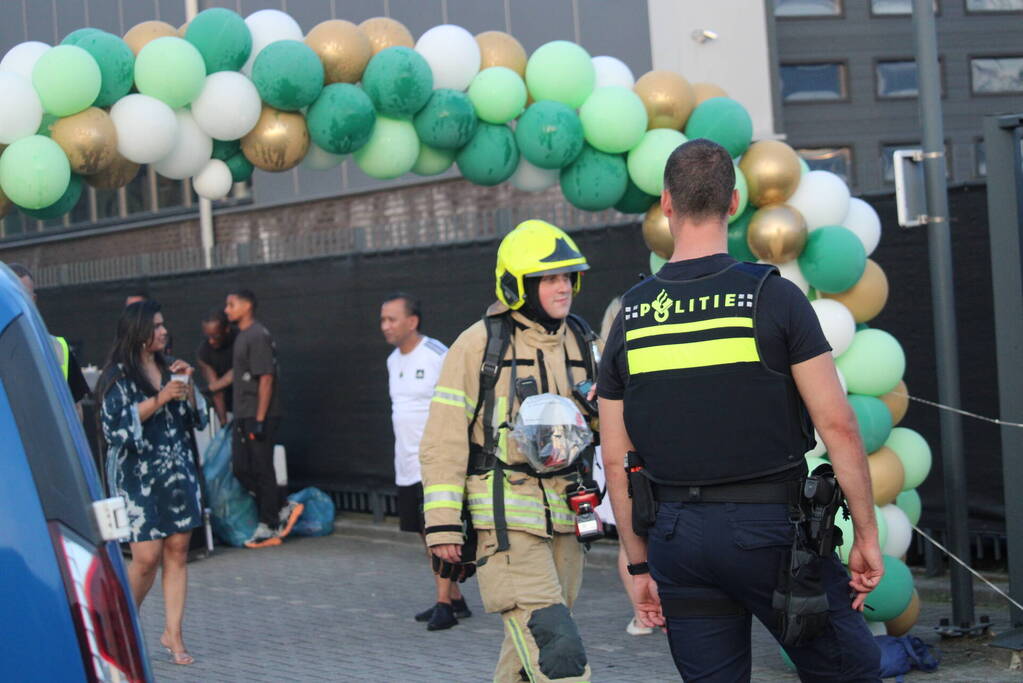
(460,609)
(443,618)
(426,614)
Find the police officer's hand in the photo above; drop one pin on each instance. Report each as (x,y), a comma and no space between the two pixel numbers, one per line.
(449,552)
(866,567)
(648,602)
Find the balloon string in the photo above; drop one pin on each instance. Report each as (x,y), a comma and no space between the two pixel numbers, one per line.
(970,569)
(994,420)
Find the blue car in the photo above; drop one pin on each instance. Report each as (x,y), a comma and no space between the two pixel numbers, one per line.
(66,611)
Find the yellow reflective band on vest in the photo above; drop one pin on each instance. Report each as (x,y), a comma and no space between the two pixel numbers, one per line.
(693,355)
(442,496)
(681,328)
(60,348)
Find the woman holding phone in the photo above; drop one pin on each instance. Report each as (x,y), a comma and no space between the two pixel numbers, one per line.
(148,408)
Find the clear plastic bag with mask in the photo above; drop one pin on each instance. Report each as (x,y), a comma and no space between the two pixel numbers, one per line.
(550,432)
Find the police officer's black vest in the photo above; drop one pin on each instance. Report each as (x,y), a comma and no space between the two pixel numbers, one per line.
(701,406)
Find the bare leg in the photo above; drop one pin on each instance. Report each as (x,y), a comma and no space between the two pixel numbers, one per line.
(145,560)
(175,587)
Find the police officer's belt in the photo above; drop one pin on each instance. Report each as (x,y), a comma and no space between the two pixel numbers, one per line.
(762,492)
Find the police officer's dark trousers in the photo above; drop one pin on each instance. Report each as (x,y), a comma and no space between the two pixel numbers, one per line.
(721,561)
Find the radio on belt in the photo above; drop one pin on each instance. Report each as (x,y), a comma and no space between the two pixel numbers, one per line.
(588,525)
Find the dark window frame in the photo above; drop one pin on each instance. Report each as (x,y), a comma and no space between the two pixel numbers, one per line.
(851,179)
(843,71)
(908,15)
(809,17)
(949,166)
(878,97)
(969,64)
(989,13)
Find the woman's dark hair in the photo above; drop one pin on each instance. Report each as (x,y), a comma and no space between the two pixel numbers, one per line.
(135,330)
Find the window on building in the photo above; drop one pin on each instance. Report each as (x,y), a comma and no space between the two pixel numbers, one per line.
(888,164)
(895,8)
(996,75)
(982,6)
(979,159)
(898,78)
(807,8)
(813,82)
(837,160)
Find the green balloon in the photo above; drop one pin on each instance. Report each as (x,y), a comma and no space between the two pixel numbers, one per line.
(873,364)
(44,125)
(833,259)
(288,75)
(738,245)
(448,120)
(893,593)
(914,453)
(561,71)
(656,262)
(225,149)
(399,81)
(862,326)
(240,167)
(491,157)
(433,161)
(874,419)
(67,80)
(811,294)
(635,200)
(849,535)
(647,159)
(34,172)
(60,207)
(391,151)
(171,70)
(724,121)
(341,119)
(743,188)
(549,135)
(804,167)
(595,180)
(498,94)
(76,35)
(221,37)
(116,64)
(909,502)
(614,119)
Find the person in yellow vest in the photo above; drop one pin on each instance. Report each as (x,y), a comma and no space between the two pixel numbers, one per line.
(477,456)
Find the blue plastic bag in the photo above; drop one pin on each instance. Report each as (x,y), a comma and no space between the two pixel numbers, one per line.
(901,654)
(233,509)
(318,517)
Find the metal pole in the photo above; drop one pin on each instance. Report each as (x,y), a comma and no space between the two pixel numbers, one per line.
(205,205)
(943,295)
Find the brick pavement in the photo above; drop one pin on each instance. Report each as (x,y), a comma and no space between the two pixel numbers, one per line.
(340,608)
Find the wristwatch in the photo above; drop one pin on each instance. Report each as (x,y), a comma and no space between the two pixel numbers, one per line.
(639,568)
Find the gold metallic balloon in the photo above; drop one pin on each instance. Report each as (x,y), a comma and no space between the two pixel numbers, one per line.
(117,174)
(668,99)
(900,625)
(705,91)
(776,233)
(656,232)
(278,142)
(868,296)
(897,401)
(772,172)
(183,29)
(342,47)
(88,138)
(139,35)
(886,475)
(384,32)
(498,48)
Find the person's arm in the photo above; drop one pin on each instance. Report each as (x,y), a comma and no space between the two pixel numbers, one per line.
(169,392)
(266,392)
(222,382)
(835,421)
(209,375)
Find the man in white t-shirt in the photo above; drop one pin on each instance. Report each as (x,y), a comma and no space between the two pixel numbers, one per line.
(413,368)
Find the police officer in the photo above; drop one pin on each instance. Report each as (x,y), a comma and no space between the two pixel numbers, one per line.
(706,383)
(530,563)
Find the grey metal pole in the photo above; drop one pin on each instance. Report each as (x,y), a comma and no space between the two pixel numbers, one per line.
(943,295)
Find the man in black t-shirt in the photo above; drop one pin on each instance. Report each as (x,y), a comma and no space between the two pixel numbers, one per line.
(708,382)
(215,356)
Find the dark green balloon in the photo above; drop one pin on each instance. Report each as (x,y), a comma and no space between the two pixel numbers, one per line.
(60,207)
(724,121)
(225,149)
(76,35)
(44,126)
(221,37)
(116,65)
(874,419)
(549,134)
(399,82)
(490,157)
(241,168)
(738,247)
(595,180)
(448,120)
(288,75)
(635,200)
(862,326)
(341,119)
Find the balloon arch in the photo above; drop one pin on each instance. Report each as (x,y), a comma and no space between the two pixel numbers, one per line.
(223,95)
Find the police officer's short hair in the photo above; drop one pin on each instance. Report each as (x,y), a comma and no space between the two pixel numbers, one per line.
(700,177)
(412,306)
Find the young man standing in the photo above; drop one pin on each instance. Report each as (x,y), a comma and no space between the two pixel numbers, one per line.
(215,356)
(257,408)
(413,368)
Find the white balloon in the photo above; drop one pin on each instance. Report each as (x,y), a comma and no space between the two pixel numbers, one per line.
(822,198)
(612,71)
(877,628)
(530,178)
(864,222)
(191,151)
(228,106)
(319,159)
(791,272)
(213,181)
(837,323)
(268,26)
(22,58)
(819,450)
(453,55)
(900,531)
(146,128)
(22,112)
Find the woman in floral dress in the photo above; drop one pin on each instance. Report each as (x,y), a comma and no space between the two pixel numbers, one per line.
(147,421)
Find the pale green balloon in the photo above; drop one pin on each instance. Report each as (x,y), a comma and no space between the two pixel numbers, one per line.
(34,172)
(67,79)
(647,159)
(915,454)
(433,161)
(873,364)
(561,71)
(656,262)
(743,188)
(614,119)
(804,167)
(498,94)
(392,150)
(909,502)
(171,70)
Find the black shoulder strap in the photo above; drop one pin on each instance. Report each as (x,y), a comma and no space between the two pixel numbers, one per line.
(586,338)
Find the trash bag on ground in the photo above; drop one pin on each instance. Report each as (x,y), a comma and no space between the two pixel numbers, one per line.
(232,508)
(318,517)
(901,654)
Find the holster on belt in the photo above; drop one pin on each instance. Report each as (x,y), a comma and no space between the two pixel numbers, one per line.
(800,600)
(644,507)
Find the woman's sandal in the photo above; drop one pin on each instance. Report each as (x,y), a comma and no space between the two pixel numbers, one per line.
(181,657)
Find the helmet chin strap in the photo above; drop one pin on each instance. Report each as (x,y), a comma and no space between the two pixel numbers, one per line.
(532,309)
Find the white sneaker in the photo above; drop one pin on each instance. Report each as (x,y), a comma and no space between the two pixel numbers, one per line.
(263,537)
(636,629)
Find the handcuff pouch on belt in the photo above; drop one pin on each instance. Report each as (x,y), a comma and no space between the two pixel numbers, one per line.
(644,508)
